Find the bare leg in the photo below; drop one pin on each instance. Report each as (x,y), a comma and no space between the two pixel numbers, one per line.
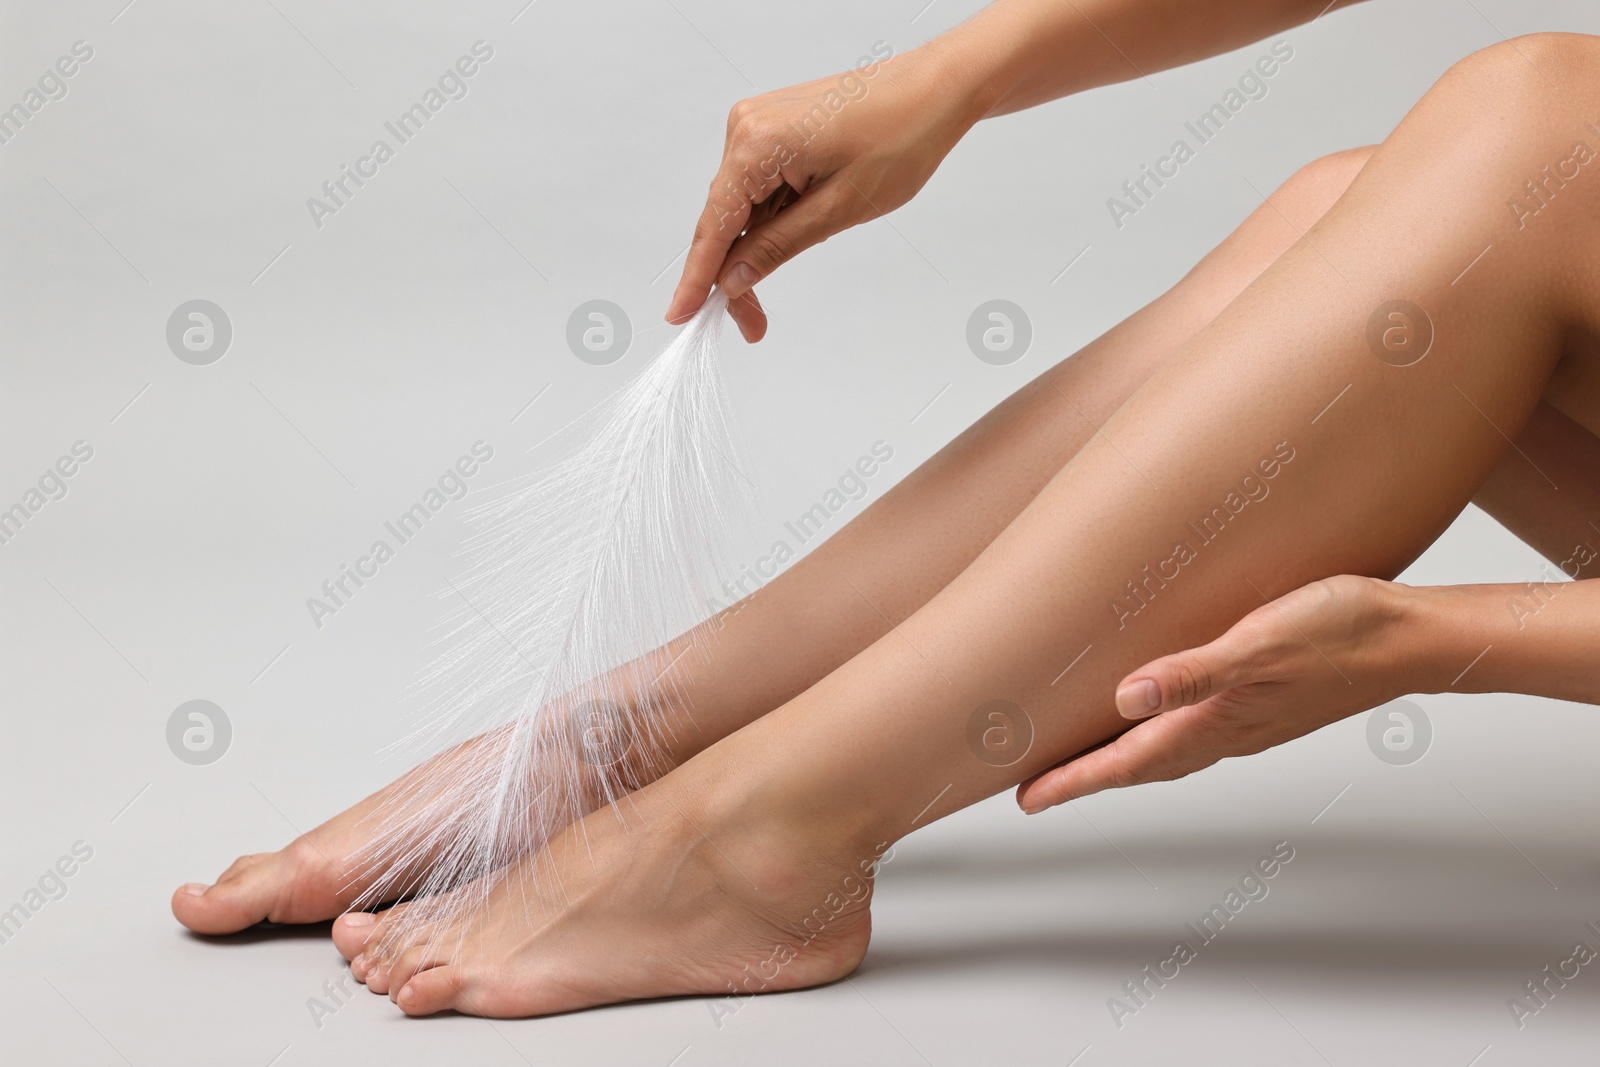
(1367,462)
(1545,491)
(899,552)
(925,531)
(1361,486)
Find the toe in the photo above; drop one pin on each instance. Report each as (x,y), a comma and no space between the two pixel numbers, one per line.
(298,884)
(353,930)
(413,961)
(377,979)
(436,989)
(242,897)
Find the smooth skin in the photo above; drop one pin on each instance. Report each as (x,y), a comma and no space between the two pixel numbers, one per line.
(754,868)
(1341,646)
(788,181)
(1014,55)
(748,845)
(882,566)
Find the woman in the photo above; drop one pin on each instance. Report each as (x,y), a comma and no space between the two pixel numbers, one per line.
(1233,471)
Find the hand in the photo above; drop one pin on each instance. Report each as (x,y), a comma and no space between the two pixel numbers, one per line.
(1323,652)
(801,164)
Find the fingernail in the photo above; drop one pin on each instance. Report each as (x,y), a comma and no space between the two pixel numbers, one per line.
(359,918)
(196,889)
(1138,699)
(1032,809)
(739,279)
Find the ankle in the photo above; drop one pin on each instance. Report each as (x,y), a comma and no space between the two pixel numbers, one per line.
(760,816)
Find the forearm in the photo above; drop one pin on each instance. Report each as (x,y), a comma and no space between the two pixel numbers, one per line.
(1537,637)
(1019,53)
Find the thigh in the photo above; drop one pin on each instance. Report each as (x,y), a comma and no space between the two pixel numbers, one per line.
(1546,487)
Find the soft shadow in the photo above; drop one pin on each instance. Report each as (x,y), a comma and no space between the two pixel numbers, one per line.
(267,932)
(1224,856)
(1442,956)
(1348,907)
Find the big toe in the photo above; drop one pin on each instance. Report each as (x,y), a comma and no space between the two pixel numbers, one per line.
(241,898)
(298,884)
(352,931)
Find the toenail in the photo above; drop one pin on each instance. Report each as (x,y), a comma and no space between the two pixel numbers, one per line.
(407,994)
(196,889)
(359,964)
(359,918)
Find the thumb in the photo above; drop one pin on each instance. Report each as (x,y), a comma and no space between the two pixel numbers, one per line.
(811,219)
(1158,751)
(1183,679)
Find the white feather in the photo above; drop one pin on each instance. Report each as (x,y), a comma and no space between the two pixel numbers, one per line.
(556,651)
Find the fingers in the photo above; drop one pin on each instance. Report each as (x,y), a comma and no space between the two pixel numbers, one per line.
(769,243)
(1173,687)
(751,318)
(1197,695)
(741,184)
(1184,679)
(1156,751)
(769,235)
(777,234)
(746,309)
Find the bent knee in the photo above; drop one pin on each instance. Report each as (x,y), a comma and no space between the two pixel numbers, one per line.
(1505,132)
(1547,90)
(1292,209)
(1543,57)
(1534,69)
(1310,191)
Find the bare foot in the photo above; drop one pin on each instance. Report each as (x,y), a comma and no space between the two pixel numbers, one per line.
(325,872)
(664,894)
(315,877)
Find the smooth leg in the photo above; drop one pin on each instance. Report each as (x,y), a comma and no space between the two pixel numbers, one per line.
(873,573)
(1276,448)
(1135,550)
(907,546)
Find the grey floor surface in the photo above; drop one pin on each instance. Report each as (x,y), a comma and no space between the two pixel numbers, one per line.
(372,347)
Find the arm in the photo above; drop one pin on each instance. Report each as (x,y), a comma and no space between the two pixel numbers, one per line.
(1538,638)
(1341,646)
(1328,651)
(798,166)
(1542,634)
(1016,54)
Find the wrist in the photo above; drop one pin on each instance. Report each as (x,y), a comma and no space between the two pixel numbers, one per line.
(1012,55)
(1448,631)
(964,83)
(1017,54)
(1395,630)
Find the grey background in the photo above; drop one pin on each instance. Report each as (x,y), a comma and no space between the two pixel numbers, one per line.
(369,354)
